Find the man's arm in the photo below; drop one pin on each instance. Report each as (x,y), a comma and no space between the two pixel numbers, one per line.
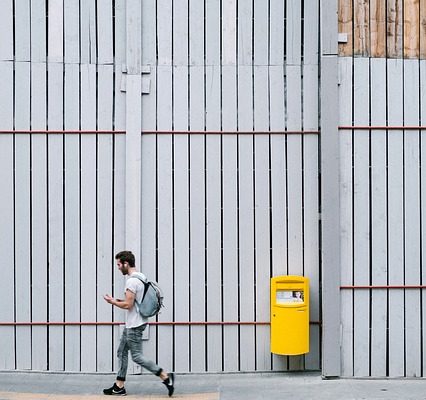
(125,304)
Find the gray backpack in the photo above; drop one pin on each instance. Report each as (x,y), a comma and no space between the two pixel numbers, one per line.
(152,298)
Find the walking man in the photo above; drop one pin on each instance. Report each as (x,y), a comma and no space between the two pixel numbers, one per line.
(131,338)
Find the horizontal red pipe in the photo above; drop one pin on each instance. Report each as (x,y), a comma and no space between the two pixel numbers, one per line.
(177,323)
(61,132)
(156,132)
(382,127)
(383,287)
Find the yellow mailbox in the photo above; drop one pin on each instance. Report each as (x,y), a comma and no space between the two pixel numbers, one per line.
(289,315)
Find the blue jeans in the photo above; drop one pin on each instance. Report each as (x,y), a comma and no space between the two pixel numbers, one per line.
(131,339)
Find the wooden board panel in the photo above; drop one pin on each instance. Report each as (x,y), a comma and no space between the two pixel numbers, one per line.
(278,185)
(261,214)
(6,23)
(72,31)
(230,218)
(229,32)
(38,30)
(361,215)
(346,223)
(22,31)
(378,28)
(7,334)
(181,218)
(88,214)
(422,76)
(345,26)
(104,32)
(422,34)
(39,216)
(395,219)
(88,41)
(213,219)
(55,217)
(311,262)
(361,28)
(293,32)
(166,273)
(394,28)
(55,29)
(73,268)
(105,260)
(411,25)
(246,219)
(378,220)
(412,255)
(22,187)
(197,199)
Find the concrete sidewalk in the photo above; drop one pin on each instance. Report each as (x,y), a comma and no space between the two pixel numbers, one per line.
(265,386)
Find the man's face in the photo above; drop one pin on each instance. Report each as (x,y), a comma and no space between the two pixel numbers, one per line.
(124,268)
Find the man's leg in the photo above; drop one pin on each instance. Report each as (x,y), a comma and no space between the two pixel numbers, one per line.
(123,357)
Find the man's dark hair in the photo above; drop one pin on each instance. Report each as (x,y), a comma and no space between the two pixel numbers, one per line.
(126,256)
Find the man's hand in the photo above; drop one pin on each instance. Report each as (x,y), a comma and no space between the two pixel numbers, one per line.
(109,299)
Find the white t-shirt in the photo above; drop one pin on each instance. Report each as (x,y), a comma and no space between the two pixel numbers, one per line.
(133,318)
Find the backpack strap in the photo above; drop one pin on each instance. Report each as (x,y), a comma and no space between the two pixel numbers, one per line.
(144,280)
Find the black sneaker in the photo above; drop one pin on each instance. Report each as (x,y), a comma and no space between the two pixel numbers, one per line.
(170,382)
(114,390)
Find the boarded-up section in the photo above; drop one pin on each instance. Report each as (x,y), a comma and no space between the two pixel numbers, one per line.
(382,28)
(229,167)
(381,216)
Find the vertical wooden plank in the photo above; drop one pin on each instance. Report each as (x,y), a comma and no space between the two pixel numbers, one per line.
(38,30)
(213,185)
(119,190)
(22,31)
(411,28)
(104,28)
(276,33)
(55,29)
(378,28)
(423,192)
(412,262)
(246,219)
(22,209)
(361,28)
(346,222)
(230,217)
(213,214)
(261,210)
(181,214)
(181,184)
(164,33)
(166,268)
(104,212)
(229,32)
(293,32)
(7,334)
(278,183)
(311,267)
(73,271)
(39,216)
(378,195)
(245,32)
(6,22)
(72,31)
(197,200)
(88,190)
(345,26)
(361,215)
(395,220)
(197,197)
(294,181)
(422,32)
(148,161)
(422,93)
(88,32)
(56,217)
(394,28)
